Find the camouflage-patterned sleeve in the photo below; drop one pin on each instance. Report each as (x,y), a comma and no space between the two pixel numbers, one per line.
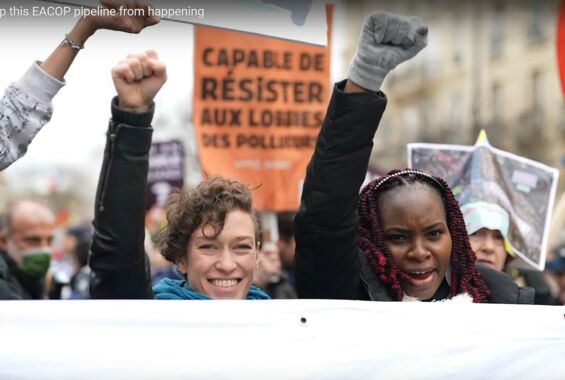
(25,108)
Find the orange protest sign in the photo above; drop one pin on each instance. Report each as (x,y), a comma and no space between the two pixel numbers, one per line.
(258,106)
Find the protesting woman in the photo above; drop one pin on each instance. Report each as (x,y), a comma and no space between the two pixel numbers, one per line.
(212,232)
(404,237)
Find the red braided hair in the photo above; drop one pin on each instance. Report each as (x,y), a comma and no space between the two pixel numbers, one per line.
(465,278)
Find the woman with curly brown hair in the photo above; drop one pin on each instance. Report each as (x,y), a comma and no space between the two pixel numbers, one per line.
(212,235)
(212,232)
(404,237)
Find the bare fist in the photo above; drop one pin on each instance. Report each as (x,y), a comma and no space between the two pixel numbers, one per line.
(133,19)
(137,79)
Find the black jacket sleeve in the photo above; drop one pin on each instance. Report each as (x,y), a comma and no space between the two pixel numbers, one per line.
(326,262)
(8,290)
(120,268)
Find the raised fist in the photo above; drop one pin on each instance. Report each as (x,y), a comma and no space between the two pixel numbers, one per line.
(137,79)
(133,19)
(386,40)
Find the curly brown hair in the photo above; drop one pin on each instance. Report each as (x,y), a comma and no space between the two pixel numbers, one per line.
(204,205)
(465,277)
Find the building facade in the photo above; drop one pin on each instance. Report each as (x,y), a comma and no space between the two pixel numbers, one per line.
(488,64)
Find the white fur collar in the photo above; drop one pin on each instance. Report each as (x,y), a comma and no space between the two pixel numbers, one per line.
(460,298)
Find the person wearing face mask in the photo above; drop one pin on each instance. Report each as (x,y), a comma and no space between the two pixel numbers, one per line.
(25,250)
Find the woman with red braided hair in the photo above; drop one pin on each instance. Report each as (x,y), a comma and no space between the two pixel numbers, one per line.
(413,237)
(403,238)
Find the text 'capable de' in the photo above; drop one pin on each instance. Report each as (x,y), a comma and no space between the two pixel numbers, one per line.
(265,59)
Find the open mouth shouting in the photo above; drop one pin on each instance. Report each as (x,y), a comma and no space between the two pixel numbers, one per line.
(420,283)
(419,277)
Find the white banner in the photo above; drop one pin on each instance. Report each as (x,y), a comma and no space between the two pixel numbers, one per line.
(286,339)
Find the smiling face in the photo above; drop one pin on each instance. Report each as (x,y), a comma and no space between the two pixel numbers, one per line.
(489,248)
(222,267)
(416,234)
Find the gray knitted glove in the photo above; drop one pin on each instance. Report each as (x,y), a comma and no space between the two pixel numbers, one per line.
(386,40)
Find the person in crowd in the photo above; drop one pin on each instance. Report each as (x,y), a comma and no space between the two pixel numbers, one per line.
(403,237)
(26,236)
(487,224)
(155,221)
(286,244)
(556,268)
(80,281)
(160,267)
(269,274)
(68,257)
(26,106)
(212,231)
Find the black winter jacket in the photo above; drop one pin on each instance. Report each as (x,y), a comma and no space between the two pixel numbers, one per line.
(328,261)
(15,285)
(120,268)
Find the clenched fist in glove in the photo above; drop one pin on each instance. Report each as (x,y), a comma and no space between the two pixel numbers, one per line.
(386,40)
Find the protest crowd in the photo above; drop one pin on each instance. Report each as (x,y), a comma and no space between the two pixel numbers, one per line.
(454,224)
